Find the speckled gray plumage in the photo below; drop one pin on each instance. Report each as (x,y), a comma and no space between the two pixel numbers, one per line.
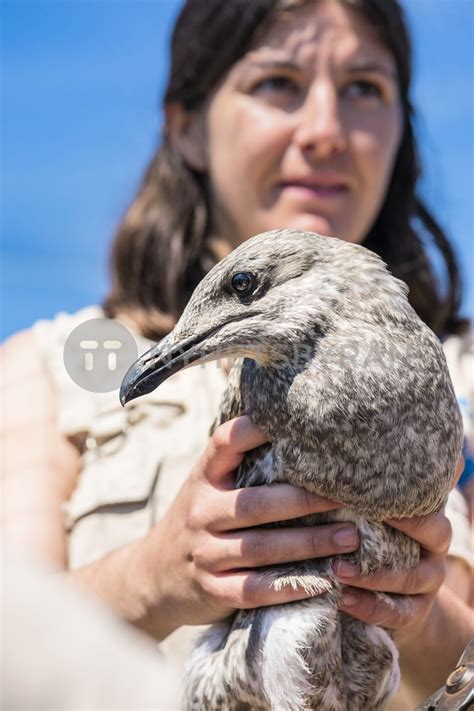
(353,391)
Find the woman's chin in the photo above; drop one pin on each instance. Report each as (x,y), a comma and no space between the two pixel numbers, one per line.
(312,223)
(317,223)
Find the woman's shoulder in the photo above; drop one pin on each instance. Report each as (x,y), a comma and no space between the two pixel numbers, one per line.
(23,364)
(459,352)
(33,445)
(25,379)
(75,404)
(49,332)
(21,361)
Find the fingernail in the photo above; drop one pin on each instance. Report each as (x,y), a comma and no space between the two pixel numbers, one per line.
(348,599)
(343,569)
(345,538)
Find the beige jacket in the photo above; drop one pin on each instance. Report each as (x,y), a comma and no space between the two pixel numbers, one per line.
(135,459)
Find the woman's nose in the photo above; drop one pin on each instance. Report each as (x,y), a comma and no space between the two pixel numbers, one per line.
(320,130)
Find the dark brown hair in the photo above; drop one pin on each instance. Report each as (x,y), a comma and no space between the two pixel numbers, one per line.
(162,249)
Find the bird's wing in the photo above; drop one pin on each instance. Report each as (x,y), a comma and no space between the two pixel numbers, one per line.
(250,472)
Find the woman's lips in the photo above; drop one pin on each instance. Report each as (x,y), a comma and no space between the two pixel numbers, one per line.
(314,190)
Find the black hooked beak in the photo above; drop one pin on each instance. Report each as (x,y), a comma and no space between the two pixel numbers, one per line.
(159,363)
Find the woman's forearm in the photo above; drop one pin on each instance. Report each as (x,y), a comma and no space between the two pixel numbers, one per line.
(427,658)
(123,579)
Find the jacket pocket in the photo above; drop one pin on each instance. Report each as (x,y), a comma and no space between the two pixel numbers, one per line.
(113,503)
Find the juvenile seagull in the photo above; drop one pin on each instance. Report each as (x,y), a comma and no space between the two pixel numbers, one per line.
(353,392)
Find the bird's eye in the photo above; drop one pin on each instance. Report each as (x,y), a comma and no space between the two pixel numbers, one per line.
(243,283)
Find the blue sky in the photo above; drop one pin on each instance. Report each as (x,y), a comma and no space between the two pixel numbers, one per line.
(82,81)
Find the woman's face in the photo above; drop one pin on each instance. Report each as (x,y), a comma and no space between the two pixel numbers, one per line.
(304,129)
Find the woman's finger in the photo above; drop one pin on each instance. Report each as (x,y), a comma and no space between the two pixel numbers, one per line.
(257,505)
(432,532)
(390,611)
(248,589)
(425,577)
(227,447)
(256,548)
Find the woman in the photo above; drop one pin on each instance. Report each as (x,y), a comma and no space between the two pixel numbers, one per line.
(278,114)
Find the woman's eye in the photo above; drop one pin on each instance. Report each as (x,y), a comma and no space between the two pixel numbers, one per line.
(363,89)
(243,283)
(275,84)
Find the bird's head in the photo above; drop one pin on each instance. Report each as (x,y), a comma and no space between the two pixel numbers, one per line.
(274,292)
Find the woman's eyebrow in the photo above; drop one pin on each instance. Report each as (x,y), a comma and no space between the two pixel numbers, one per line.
(274,64)
(354,67)
(363,66)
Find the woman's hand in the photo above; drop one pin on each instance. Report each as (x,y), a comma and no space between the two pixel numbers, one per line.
(423,614)
(203,557)
(413,590)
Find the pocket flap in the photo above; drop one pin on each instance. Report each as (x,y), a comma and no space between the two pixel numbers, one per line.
(126,476)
